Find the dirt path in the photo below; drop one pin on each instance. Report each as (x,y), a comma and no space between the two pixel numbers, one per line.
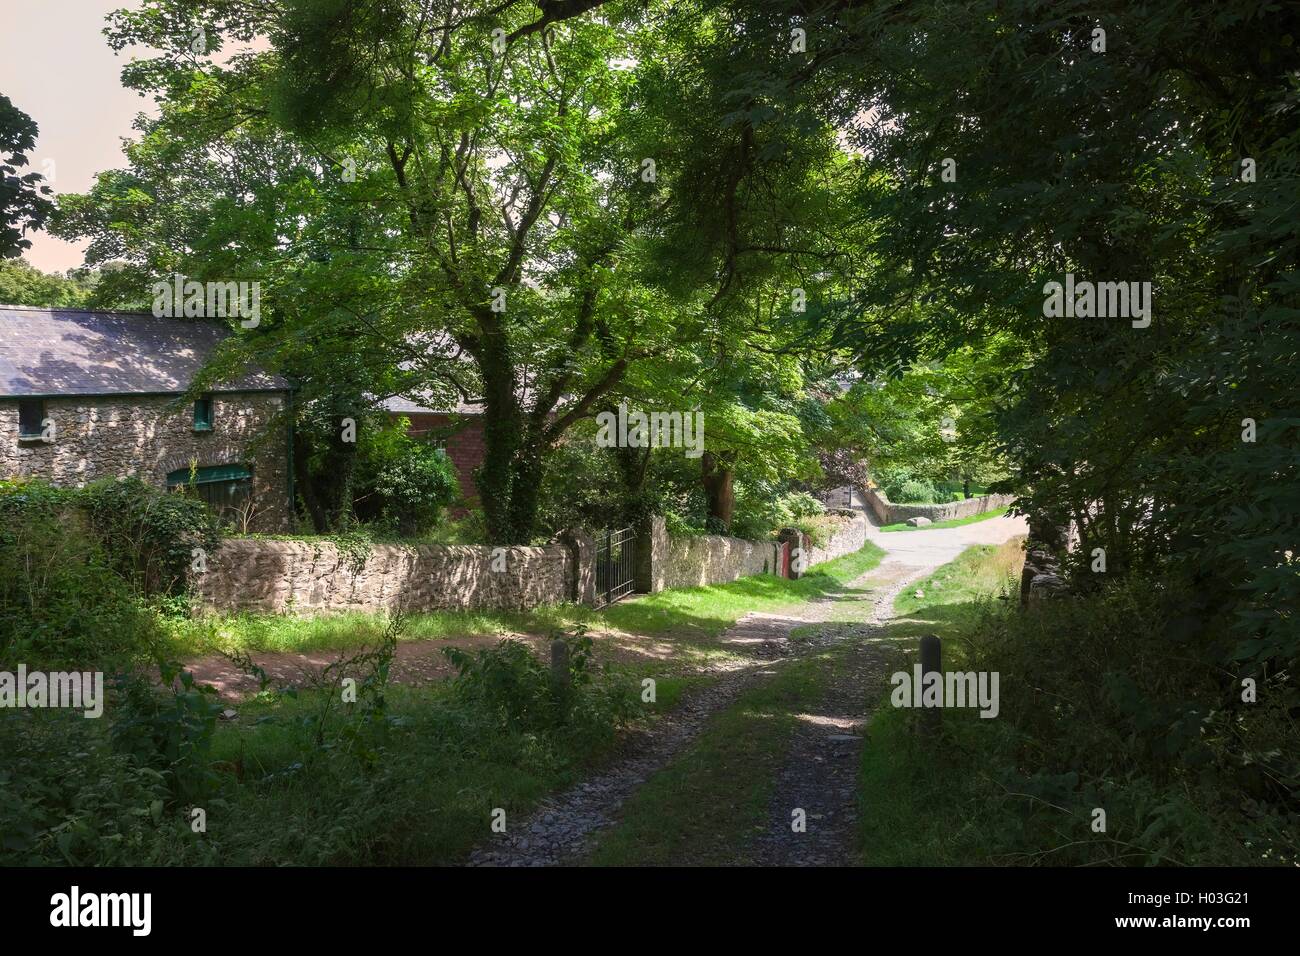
(820,772)
(563,828)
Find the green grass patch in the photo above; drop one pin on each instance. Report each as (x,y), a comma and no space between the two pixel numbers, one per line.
(275,633)
(706,804)
(950,523)
(711,609)
(981,572)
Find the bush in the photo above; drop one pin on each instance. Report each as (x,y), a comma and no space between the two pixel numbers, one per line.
(148,534)
(62,600)
(680,526)
(402,483)
(520,693)
(800,504)
(1111,701)
(68,798)
(914,491)
(168,730)
(819,529)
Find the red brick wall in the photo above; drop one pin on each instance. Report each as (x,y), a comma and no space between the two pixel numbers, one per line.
(464,445)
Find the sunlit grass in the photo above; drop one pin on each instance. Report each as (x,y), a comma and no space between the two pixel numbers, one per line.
(282,633)
(713,608)
(981,571)
(691,612)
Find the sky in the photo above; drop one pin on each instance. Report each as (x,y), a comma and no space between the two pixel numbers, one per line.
(56,67)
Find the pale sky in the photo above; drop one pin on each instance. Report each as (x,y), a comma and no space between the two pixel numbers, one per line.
(56,67)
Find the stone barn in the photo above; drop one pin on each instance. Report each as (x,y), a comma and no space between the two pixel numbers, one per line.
(86,395)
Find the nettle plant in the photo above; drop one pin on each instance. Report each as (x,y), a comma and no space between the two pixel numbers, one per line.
(509,686)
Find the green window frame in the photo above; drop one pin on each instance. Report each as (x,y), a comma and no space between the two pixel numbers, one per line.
(227,489)
(203,414)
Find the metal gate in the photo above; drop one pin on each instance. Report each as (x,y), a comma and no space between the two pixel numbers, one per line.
(615,562)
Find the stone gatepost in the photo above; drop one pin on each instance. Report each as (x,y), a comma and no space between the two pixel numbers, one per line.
(582,552)
(648,569)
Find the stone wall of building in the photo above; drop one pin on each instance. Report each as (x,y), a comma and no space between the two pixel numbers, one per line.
(148,436)
(316,577)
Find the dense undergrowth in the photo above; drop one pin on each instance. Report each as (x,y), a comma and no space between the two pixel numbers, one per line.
(1104,707)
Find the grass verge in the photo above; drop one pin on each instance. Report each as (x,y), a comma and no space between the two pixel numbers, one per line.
(1096,756)
(711,609)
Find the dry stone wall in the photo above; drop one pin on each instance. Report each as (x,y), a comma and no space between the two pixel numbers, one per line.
(317,577)
(851,537)
(888,512)
(714,559)
(308,577)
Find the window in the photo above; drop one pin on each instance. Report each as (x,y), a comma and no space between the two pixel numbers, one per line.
(31,412)
(203,414)
(227,490)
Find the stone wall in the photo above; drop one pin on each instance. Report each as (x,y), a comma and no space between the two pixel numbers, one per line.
(713,559)
(888,512)
(315,577)
(147,437)
(851,537)
(666,562)
(273,576)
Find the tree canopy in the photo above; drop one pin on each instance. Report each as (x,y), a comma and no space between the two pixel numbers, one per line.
(24,202)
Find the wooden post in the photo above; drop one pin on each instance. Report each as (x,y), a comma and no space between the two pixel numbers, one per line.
(931,663)
(559,664)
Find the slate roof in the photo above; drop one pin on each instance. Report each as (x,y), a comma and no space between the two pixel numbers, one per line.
(72,352)
(399,405)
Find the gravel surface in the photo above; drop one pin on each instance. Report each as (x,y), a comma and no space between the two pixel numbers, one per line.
(819,775)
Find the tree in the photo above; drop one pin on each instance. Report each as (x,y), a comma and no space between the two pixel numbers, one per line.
(24,202)
(1162,149)
(470,200)
(23,284)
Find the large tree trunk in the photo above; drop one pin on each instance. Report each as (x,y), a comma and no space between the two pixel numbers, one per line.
(716,477)
(305,485)
(503,439)
(633,466)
